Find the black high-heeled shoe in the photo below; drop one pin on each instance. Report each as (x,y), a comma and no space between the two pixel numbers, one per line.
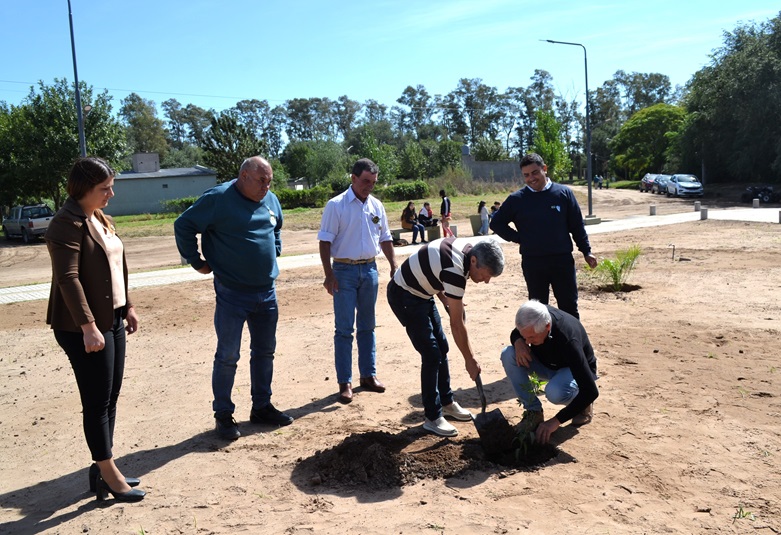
(94,472)
(102,491)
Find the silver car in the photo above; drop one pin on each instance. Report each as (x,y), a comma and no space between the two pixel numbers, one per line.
(684,186)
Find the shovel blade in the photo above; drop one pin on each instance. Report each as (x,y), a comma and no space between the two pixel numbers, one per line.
(496,433)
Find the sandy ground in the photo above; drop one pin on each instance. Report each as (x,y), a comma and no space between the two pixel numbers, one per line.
(685,437)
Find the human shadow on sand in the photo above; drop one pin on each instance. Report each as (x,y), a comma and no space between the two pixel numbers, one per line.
(46,505)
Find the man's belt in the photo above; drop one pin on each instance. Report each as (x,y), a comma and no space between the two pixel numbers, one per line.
(354,262)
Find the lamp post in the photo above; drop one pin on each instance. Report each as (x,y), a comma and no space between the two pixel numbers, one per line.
(588,122)
(79,116)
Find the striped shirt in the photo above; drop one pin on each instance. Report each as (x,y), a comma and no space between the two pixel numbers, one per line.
(438,266)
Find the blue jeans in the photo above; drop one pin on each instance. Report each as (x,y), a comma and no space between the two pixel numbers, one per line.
(418,228)
(424,328)
(560,390)
(553,271)
(484,227)
(259,311)
(358,285)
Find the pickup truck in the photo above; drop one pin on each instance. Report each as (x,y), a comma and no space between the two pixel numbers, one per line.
(27,222)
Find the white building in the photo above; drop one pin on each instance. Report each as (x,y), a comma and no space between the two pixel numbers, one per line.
(143,190)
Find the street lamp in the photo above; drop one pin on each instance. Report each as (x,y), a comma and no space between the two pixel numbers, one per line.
(588,122)
(79,116)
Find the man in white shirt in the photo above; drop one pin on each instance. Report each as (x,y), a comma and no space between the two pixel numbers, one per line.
(353,230)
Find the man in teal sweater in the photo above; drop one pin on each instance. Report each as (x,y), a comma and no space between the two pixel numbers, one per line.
(240,225)
(544,215)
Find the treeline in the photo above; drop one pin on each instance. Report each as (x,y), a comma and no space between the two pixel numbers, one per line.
(726,122)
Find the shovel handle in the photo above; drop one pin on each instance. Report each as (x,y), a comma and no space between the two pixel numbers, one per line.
(480,391)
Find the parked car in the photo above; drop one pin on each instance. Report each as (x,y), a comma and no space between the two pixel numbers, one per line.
(647,182)
(684,186)
(27,222)
(763,193)
(660,184)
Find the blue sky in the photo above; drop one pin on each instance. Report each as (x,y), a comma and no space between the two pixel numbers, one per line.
(213,54)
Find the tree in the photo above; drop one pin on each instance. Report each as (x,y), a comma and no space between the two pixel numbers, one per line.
(145,131)
(374,112)
(40,138)
(310,118)
(317,161)
(227,143)
(264,122)
(413,162)
(418,100)
(549,145)
(734,127)
(474,109)
(640,147)
(345,112)
(177,128)
(489,150)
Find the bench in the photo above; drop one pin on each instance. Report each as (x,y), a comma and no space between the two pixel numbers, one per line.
(432,233)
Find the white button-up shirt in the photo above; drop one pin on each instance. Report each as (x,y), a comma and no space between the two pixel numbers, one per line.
(355,229)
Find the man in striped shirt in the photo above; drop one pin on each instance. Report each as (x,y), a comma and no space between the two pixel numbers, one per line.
(441,268)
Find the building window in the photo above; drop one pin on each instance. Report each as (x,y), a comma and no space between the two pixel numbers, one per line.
(165,186)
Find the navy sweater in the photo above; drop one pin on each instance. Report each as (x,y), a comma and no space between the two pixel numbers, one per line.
(544,221)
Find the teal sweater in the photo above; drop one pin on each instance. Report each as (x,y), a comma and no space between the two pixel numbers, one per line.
(240,238)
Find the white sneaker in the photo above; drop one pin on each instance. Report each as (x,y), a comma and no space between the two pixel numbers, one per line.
(440,427)
(457,412)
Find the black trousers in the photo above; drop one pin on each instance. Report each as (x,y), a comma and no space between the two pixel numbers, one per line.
(99,378)
(554,271)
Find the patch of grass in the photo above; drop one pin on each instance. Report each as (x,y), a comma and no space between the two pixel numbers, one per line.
(462,206)
(741,514)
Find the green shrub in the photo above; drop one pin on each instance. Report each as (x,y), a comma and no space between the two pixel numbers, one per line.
(178,206)
(616,271)
(304,198)
(403,191)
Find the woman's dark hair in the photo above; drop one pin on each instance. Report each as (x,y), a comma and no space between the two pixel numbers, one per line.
(480,206)
(87,173)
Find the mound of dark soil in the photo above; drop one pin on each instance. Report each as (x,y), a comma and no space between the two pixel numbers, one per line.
(380,460)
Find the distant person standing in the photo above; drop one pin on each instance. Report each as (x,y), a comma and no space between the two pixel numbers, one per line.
(545,214)
(240,224)
(444,212)
(484,218)
(353,230)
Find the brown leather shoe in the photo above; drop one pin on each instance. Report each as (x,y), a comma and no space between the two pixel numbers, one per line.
(345,392)
(584,417)
(372,384)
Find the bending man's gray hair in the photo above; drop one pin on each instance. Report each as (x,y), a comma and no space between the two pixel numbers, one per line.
(532,314)
(489,255)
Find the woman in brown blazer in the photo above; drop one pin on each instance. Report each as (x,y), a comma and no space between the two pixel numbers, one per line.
(88,306)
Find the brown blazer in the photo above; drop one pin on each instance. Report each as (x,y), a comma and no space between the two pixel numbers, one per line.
(81,277)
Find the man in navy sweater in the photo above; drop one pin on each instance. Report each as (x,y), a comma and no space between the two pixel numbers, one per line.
(240,224)
(545,214)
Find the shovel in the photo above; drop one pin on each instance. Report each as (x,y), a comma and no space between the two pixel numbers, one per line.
(496,433)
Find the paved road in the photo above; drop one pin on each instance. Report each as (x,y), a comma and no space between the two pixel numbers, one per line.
(172,276)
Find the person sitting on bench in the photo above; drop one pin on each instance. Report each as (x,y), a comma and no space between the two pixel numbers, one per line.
(409,221)
(426,216)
